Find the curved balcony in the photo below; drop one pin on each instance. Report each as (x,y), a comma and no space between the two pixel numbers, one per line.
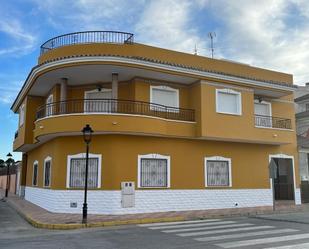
(115,106)
(88,37)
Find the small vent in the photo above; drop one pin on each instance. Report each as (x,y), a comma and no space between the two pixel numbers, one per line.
(73,204)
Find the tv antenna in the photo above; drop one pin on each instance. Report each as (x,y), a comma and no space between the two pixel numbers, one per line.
(195,49)
(211,35)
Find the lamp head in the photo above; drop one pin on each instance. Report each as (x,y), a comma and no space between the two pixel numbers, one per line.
(87,132)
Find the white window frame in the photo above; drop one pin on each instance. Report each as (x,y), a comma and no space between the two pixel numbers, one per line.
(256,101)
(49,109)
(229,91)
(36,162)
(94,91)
(218,158)
(47,159)
(21,115)
(83,155)
(153,156)
(164,88)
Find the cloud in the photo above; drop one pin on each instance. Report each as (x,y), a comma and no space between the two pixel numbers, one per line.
(17,40)
(89,14)
(168,24)
(8,91)
(265,33)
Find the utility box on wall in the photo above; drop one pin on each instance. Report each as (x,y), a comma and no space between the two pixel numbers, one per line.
(127,194)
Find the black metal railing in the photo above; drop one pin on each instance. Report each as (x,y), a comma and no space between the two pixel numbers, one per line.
(114,106)
(272,122)
(88,37)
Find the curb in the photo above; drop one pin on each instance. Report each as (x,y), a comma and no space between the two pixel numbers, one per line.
(281,220)
(39,224)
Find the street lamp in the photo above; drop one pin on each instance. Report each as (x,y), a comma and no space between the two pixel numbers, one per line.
(87,132)
(8,177)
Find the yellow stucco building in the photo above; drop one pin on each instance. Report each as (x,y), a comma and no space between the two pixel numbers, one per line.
(172,131)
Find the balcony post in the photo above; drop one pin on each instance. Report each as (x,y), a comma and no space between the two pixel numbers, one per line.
(63,94)
(114,91)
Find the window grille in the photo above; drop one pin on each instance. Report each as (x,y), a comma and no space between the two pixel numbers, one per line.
(35,175)
(47,171)
(78,170)
(217,173)
(153,172)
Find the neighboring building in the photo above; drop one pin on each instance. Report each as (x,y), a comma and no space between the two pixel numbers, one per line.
(172,131)
(302,129)
(14,178)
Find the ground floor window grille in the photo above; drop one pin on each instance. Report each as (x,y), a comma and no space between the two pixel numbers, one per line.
(78,170)
(218,173)
(35,174)
(154,172)
(47,171)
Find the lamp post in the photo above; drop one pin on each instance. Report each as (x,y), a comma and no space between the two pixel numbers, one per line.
(87,132)
(8,178)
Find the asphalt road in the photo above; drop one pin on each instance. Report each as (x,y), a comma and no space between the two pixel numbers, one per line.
(216,233)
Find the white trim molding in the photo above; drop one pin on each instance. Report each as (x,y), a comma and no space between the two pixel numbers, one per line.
(153,156)
(36,162)
(47,159)
(218,158)
(164,88)
(83,155)
(233,92)
(297,198)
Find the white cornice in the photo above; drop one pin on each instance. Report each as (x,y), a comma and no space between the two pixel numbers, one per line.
(138,62)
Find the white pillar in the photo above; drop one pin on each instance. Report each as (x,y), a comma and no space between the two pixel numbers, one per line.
(63,95)
(115,86)
(63,89)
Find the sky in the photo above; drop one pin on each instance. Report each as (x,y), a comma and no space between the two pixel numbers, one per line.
(272,34)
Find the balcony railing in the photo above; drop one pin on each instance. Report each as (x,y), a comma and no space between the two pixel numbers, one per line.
(88,37)
(272,122)
(106,106)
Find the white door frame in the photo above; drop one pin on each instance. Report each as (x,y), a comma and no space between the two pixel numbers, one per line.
(93,91)
(284,156)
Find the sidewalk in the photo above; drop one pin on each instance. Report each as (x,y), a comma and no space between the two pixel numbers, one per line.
(39,217)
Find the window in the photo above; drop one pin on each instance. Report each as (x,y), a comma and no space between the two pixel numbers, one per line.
(228,101)
(76,169)
(98,101)
(164,95)
(21,115)
(307,107)
(47,172)
(35,173)
(49,105)
(218,172)
(153,171)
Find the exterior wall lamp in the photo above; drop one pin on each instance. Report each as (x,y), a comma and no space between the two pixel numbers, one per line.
(87,133)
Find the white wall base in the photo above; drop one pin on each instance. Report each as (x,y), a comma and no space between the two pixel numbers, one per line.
(147,201)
